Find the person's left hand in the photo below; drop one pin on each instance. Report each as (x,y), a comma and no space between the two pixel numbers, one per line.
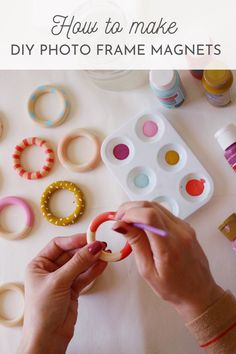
(54,280)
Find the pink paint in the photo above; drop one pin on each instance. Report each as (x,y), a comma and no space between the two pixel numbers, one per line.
(121,151)
(195,187)
(150,129)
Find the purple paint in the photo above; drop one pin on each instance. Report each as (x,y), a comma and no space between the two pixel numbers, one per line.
(150,129)
(227,139)
(230,155)
(121,152)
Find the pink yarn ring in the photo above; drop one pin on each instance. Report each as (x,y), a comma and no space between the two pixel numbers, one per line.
(5,202)
(48,162)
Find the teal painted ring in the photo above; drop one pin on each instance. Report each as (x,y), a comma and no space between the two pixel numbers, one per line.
(48,123)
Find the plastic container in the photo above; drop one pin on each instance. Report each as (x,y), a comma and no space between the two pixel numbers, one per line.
(226,138)
(217,84)
(167,86)
(198,74)
(118,80)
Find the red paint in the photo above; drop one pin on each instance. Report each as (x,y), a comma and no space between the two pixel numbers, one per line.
(195,187)
(100,219)
(125,252)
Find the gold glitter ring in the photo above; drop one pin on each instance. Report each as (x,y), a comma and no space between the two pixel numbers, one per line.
(79,199)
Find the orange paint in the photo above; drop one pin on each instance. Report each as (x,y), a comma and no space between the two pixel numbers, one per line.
(195,187)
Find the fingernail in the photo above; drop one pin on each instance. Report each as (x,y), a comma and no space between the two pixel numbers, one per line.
(104,245)
(95,247)
(120,230)
(108,251)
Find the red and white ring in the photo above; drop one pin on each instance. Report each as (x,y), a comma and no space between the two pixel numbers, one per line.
(91,237)
(48,162)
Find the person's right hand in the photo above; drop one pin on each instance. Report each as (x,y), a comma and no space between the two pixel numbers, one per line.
(175,266)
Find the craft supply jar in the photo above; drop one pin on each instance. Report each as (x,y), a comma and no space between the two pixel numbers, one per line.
(118,80)
(167,86)
(217,84)
(226,138)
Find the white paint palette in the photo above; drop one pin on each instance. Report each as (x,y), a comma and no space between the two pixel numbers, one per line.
(152,162)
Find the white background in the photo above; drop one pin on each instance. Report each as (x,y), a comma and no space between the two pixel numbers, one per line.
(121,314)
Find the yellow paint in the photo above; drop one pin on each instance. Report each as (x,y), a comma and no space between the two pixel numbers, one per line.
(172,157)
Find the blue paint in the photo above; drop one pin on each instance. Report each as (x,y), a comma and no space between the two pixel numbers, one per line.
(141,180)
(167,86)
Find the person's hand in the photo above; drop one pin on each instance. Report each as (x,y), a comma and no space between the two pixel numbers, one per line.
(175,266)
(54,280)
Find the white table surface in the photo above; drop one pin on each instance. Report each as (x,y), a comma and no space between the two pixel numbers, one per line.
(121,314)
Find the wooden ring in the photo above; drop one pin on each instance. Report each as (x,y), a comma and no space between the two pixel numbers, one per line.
(40,91)
(17,158)
(91,237)
(79,198)
(5,202)
(62,151)
(19,319)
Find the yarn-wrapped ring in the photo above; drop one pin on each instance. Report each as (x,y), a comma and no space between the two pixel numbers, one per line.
(79,199)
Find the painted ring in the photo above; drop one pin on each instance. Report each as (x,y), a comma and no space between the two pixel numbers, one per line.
(5,202)
(19,289)
(91,237)
(79,199)
(62,151)
(48,162)
(40,91)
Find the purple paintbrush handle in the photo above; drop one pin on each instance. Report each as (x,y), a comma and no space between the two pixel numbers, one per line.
(154,230)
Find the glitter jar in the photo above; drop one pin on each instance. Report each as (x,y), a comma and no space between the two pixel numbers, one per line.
(167,86)
(217,84)
(226,137)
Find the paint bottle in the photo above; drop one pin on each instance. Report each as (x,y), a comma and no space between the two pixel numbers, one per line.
(226,137)
(217,84)
(167,86)
(198,74)
(228,228)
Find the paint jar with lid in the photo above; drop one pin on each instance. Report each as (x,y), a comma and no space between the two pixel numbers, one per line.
(217,84)
(226,137)
(167,86)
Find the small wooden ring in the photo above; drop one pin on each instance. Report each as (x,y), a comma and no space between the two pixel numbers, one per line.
(40,91)
(62,151)
(5,202)
(48,162)
(18,321)
(91,237)
(79,198)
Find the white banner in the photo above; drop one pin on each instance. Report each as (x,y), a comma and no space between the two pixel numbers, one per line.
(117,34)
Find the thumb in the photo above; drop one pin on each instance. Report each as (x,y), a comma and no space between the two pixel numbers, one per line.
(139,243)
(80,262)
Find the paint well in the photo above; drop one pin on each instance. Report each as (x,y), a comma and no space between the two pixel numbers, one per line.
(195,187)
(172,157)
(141,180)
(121,152)
(150,129)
